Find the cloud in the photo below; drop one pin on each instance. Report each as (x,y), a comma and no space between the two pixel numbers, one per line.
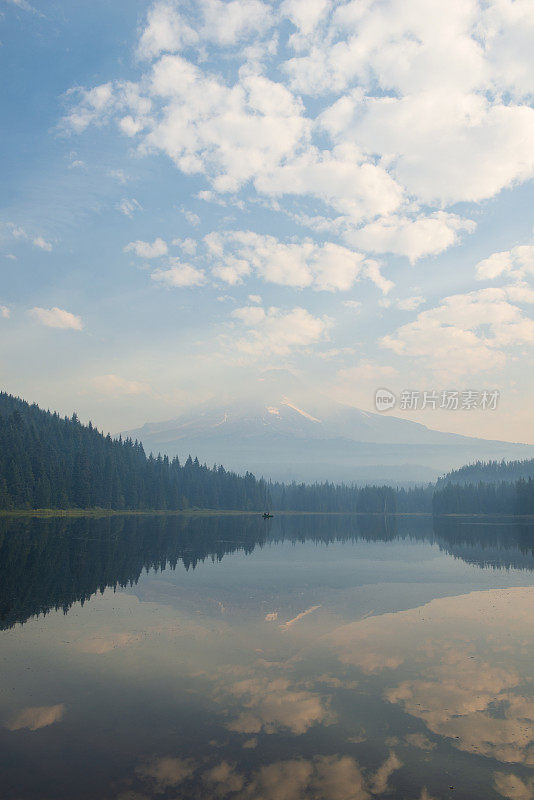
(42,244)
(225,23)
(115,386)
(94,107)
(410,303)
(128,206)
(192,218)
(188,245)
(223,779)
(342,178)
(275,332)
(146,249)
(513,787)
(36,717)
(57,318)
(325,267)
(413,107)
(413,238)
(274,705)
(420,741)
(179,275)
(5,312)
(166,31)
(229,133)
(290,622)
(380,781)
(229,22)
(467,333)
(25,6)
(335,777)
(166,772)
(517,263)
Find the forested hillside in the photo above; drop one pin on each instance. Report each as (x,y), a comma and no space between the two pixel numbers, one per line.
(47,461)
(485,498)
(490,472)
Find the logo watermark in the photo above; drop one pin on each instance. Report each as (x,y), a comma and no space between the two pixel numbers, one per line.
(444,399)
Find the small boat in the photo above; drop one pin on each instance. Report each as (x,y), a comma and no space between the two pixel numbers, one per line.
(266,515)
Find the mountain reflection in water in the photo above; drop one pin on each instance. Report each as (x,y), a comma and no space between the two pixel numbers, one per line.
(324,657)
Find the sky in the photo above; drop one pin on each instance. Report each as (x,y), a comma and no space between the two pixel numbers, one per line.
(195,192)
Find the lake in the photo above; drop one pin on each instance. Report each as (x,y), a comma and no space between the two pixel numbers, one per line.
(328,657)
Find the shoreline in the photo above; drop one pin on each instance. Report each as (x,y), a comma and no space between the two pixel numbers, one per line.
(72,513)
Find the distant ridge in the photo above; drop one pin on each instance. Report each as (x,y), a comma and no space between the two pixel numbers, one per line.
(286,432)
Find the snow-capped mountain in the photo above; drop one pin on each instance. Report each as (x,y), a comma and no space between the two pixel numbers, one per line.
(289,436)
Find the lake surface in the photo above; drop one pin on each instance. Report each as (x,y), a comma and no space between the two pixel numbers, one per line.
(322,657)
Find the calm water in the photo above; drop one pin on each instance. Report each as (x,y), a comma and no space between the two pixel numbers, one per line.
(324,657)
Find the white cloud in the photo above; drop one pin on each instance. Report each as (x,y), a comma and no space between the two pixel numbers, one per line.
(42,244)
(342,178)
(188,246)
(192,218)
(166,31)
(146,249)
(418,105)
(179,275)
(517,262)
(326,267)
(18,231)
(229,133)
(93,108)
(57,318)
(305,14)
(36,717)
(128,206)
(275,332)
(413,238)
(224,23)
(115,386)
(467,333)
(5,312)
(410,303)
(25,6)
(229,22)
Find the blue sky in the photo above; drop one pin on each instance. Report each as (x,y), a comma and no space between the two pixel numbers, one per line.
(194,192)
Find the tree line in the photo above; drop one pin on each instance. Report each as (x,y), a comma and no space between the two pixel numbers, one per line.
(515,497)
(490,472)
(49,461)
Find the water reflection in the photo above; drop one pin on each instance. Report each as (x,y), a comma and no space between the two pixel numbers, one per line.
(322,658)
(51,563)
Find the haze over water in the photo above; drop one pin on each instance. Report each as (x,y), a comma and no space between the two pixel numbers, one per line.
(332,657)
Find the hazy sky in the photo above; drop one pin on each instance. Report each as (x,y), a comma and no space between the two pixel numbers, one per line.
(195,191)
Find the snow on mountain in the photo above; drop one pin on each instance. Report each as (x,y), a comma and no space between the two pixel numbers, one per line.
(286,435)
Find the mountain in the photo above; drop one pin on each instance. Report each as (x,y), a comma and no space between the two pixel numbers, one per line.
(286,432)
